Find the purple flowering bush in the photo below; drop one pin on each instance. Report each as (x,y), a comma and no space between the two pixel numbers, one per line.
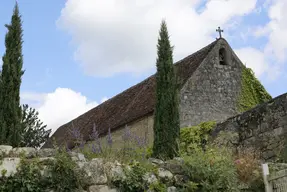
(134,147)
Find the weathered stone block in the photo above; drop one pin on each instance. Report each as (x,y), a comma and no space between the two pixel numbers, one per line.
(46,160)
(256,130)
(77,156)
(165,174)
(155,161)
(46,152)
(28,152)
(278,132)
(5,149)
(95,172)
(173,166)
(263,126)
(171,189)
(114,170)
(268,154)
(9,166)
(249,142)
(150,178)
(283,121)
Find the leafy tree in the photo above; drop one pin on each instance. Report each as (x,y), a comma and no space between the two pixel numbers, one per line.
(10,111)
(34,132)
(166,120)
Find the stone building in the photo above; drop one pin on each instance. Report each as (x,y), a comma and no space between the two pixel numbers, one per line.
(211,88)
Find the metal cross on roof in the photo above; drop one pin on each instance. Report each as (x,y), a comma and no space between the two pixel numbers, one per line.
(219,31)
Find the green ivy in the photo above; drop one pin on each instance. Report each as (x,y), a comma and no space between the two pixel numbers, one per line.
(27,179)
(60,176)
(195,137)
(252,91)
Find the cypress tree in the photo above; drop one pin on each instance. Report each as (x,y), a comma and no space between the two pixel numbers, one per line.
(166,117)
(10,111)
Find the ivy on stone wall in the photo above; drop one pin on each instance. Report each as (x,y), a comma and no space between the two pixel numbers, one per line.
(252,91)
(49,174)
(195,138)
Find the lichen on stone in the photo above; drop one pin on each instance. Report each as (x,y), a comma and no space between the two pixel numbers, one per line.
(252,91)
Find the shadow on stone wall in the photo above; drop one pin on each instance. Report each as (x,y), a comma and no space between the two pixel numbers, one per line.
(263,128)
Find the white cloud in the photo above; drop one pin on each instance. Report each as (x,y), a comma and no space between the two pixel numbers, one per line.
(260,31)
(253,59)
(272,59)
(34,99)
(275,31)
(60,106)
(104,99)
(277,44)
(258,62)
(120,36)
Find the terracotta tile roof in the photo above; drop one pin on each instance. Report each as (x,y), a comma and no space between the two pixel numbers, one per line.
(130,105)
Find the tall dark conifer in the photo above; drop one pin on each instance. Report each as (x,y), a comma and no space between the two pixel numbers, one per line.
(10,110)
(166,119)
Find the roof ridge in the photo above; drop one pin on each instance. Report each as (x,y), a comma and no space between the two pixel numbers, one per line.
(147,79)
(197,52)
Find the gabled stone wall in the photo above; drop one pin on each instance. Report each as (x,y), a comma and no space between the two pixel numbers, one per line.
(211,94)
(263,128)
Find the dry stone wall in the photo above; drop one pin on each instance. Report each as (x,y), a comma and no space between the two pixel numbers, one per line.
(263,128)
(99,172)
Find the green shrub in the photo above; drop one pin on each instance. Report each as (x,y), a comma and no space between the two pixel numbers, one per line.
(60,176)
(133,182)
(63,176)
(27,179)
(158,187)
(213,170)
(195,137)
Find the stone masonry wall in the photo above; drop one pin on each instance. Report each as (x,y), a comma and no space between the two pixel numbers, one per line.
(263,128)
(98,172)
(212,91)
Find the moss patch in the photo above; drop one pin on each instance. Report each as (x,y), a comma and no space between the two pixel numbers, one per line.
(252,91)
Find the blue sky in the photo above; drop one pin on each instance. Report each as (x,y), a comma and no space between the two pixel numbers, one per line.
(77,53)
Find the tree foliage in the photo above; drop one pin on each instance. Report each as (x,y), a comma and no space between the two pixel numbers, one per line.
(19,126)
(34,132)
(10,111)
(166,120)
